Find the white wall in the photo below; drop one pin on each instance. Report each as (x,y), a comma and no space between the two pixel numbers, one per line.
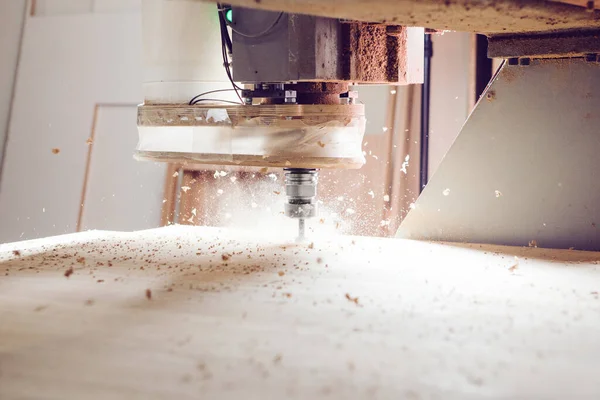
(70,7)
(12,16)
(79,76)
(450,83)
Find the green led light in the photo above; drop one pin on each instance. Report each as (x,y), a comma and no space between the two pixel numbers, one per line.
(229,15)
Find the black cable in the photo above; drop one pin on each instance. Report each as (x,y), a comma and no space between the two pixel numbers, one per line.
(425,102)
(223,101)
(224,37)
(259,34)
(223,22)
(193,100)
(229,75)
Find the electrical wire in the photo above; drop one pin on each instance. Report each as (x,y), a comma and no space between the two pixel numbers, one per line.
(197,97)
(259,34)
(216,100)
(223,22)
(224,47)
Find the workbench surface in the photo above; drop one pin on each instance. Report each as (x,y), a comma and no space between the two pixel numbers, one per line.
(205,313)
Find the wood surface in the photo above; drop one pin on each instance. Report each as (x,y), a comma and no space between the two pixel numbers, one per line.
(190,312)
(490,17)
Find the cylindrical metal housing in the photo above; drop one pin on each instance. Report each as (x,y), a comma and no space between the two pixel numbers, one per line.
(301,193)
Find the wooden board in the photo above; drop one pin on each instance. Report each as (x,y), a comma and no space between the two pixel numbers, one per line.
(493,17)
(190,312)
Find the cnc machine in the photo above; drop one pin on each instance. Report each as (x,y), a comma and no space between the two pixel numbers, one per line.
(266,84)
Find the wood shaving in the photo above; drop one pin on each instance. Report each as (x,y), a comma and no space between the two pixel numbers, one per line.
(321,143)
(69,272)
(55,150)
(281,273)
(89,141)
(17,253)
(352,299)
(514,267)
(533,243)
(311,245)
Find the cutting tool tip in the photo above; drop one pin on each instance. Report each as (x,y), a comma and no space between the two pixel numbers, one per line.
(301,228)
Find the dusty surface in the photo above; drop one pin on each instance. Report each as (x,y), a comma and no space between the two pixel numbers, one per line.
(495,16)
(552,45)
(196,312)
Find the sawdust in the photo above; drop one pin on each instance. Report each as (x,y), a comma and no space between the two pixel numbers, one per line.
(352,299)
(55,150)
(69,272)
(514,267)
(148,294)
(373,55)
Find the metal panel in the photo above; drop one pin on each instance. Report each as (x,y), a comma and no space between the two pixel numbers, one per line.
(524,166)
(274,47)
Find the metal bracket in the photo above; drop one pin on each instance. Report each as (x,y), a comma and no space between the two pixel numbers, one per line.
(524,167)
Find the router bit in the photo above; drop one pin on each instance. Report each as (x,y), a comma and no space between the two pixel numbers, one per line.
(301,196)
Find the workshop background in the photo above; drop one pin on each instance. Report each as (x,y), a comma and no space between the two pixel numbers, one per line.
(70,82)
